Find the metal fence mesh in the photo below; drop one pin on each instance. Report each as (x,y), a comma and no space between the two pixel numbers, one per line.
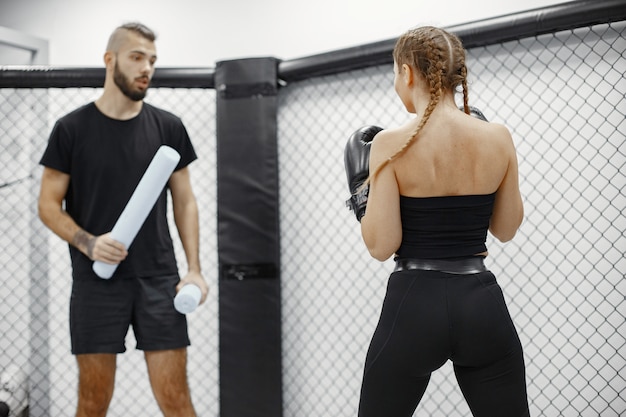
(562,95)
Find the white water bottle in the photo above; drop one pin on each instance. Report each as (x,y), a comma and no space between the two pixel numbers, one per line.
(187,299)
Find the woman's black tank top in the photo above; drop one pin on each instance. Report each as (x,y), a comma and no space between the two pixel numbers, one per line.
(444,227)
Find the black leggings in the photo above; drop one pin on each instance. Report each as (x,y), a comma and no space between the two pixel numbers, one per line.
(429,317)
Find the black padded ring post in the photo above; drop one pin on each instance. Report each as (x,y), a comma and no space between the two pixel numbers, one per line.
(248,238)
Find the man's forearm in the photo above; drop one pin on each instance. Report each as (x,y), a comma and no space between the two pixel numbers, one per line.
(66,228)
(84,241)
(186,219)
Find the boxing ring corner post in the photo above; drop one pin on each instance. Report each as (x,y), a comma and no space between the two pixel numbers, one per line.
(248,238)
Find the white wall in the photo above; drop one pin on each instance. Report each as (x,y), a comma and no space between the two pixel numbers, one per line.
(199,33)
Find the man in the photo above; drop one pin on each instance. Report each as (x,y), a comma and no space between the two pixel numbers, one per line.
(95,158)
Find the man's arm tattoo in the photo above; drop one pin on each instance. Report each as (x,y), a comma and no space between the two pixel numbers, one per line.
(84,240)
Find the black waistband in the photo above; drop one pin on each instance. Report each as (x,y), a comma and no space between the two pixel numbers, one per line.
(461,266)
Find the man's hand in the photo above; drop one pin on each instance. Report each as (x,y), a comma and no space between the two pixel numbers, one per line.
(100,248)
(195,278)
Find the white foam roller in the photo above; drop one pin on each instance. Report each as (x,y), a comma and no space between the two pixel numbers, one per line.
(187,298)
(140,203)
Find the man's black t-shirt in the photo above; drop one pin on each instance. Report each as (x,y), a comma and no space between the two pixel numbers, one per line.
(106,159)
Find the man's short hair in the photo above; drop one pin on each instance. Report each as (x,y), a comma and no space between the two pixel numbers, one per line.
(118,34)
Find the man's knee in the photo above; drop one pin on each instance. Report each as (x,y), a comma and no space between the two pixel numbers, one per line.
(174,396)
(95,383)
(93,401)
(168,377)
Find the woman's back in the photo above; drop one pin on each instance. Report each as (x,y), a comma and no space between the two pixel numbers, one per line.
(455,154)
(441,152)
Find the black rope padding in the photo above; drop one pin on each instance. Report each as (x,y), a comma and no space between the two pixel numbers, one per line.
(50,77)
(490,31)
(564,16)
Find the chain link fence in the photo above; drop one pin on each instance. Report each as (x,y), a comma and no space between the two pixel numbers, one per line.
(562,95)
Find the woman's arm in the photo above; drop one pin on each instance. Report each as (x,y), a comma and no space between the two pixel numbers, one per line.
(508,210)
(381,226)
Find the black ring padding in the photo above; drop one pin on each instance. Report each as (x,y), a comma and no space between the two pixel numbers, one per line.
(564,16)
(56,77)
(534,22)
(247,90)
(249,271)
(50,77)
(184,78)
(336,62)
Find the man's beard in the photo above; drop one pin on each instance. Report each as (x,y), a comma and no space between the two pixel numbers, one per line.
(125,85)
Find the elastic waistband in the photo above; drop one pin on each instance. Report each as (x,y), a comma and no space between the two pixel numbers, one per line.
(461,266)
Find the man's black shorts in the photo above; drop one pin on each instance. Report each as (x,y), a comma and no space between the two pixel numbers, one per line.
(101,310)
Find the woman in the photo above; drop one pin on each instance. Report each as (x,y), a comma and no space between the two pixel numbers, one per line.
(437,184)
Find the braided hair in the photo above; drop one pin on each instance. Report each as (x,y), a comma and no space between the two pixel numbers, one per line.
(439,57)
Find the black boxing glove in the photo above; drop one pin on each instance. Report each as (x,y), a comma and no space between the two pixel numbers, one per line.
(476,113)
(357,161)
